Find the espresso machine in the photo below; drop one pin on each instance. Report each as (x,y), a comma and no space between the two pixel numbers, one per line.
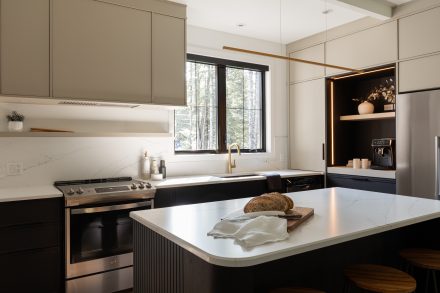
(384,154)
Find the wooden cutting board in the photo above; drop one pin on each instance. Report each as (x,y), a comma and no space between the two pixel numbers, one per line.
(306,214)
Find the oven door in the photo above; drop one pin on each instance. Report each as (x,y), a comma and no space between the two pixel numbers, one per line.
(100,238)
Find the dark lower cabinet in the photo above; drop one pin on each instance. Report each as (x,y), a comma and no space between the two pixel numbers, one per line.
(35,270)
(167,197)
(31,246)
(361,182)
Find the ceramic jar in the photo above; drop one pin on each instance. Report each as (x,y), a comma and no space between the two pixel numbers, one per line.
(365,108)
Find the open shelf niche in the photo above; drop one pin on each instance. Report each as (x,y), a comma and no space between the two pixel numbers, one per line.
(350,134)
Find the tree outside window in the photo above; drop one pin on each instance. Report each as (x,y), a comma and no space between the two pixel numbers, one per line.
(225,104)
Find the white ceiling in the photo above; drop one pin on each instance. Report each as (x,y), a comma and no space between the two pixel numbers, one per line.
(261,18)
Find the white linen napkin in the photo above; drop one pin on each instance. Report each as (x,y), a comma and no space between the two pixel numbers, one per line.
(252,232)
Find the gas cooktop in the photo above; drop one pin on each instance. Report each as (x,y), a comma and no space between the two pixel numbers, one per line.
(92,191)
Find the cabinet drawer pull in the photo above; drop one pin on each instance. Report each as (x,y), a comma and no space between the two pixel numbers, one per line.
(361,179)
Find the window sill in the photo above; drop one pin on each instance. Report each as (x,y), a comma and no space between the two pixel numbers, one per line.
(214,157)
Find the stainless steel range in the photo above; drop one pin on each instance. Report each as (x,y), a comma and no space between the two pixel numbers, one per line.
(98,231)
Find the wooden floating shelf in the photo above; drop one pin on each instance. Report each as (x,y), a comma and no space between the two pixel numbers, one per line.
(83,134)
(374,116)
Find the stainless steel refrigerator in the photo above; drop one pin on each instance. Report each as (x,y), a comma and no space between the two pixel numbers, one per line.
(417,144)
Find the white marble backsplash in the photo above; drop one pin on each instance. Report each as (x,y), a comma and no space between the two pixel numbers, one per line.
(46,160)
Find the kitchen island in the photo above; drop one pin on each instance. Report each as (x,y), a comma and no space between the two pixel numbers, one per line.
(172,252)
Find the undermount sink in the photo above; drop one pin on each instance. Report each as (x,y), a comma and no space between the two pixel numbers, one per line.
(239,175)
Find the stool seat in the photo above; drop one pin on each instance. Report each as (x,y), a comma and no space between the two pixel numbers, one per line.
(295,290)
(381,279)
(422,257)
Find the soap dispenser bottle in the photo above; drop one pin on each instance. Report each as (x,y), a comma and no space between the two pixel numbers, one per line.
(146,166)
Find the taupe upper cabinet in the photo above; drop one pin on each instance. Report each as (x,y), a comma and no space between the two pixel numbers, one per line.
(419,74)
(168,60)
(371,47)
(418,34)
(24,49)
(301,71)
(101,51)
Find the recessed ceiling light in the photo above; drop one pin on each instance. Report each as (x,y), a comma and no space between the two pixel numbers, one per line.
(327,11)
(241,24)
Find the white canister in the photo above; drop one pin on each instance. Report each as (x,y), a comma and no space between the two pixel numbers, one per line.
(356,163)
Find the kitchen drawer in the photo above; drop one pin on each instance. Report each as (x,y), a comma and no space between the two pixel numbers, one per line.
(31,271)
(362,183)
(32,236)
(30,211)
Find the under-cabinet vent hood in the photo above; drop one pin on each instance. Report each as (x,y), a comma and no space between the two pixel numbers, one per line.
(69,102)
(96,104)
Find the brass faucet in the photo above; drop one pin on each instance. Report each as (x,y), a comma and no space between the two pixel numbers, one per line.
(231,164)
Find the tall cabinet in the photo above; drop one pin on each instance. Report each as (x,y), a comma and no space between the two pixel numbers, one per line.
(307,110)
(307,125)
(24,47)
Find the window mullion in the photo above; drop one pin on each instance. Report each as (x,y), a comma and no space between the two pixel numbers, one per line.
(221,97)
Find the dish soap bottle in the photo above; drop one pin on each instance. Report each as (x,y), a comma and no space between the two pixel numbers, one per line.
(145,166)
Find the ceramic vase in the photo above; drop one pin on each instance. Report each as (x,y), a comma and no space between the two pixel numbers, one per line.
(365,108)
(15,126)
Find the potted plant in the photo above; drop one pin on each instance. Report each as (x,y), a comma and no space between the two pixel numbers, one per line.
(15,122)
(382,95)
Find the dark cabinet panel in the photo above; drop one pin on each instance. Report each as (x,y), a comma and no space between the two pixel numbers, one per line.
(206,193)
(167,197)
(31,271)
(362,183)
(30,211)
(32,236)
(30,246)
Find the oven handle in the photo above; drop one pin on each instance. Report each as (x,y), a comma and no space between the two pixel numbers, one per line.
(117,207)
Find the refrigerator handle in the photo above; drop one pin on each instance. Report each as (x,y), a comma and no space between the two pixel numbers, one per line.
(437,163)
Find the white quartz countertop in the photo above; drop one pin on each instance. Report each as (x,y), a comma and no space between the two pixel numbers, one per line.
(340,215)
(27,193)
(389,174)
(182,181)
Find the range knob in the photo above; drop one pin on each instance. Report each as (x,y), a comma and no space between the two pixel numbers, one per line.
(71,191)
(133,186)
(80,191)
(141,185)
(148,185)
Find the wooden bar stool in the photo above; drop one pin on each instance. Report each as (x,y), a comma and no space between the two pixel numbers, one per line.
(295,290)
(379,279)
(428,259)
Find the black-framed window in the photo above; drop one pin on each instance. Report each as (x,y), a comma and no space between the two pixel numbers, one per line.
(226,104)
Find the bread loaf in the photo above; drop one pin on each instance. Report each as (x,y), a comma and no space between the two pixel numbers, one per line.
(273,201)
